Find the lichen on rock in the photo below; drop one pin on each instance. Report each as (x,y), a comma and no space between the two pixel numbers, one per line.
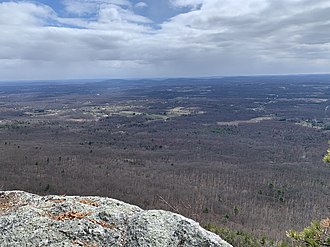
(31,220)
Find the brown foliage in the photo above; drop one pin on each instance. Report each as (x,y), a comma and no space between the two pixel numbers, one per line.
(70,216)
(325,223)
(8,202)
(89,202)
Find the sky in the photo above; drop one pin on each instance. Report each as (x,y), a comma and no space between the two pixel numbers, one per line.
(85,39)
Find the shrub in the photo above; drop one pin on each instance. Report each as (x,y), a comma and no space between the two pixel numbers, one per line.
(316,235)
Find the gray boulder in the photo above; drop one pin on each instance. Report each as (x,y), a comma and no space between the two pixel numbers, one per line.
(31,220)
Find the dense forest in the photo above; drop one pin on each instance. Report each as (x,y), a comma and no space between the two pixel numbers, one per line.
(241,155)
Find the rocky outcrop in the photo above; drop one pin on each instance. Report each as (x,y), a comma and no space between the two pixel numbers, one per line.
(31,220)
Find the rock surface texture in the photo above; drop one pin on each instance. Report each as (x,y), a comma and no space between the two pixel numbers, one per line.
(31,220)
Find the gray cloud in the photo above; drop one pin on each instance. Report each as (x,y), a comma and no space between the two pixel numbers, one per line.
(214,38)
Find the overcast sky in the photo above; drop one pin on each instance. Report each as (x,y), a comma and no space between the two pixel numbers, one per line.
(64,39)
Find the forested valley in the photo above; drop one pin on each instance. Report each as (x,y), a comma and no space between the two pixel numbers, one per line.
(244,153)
